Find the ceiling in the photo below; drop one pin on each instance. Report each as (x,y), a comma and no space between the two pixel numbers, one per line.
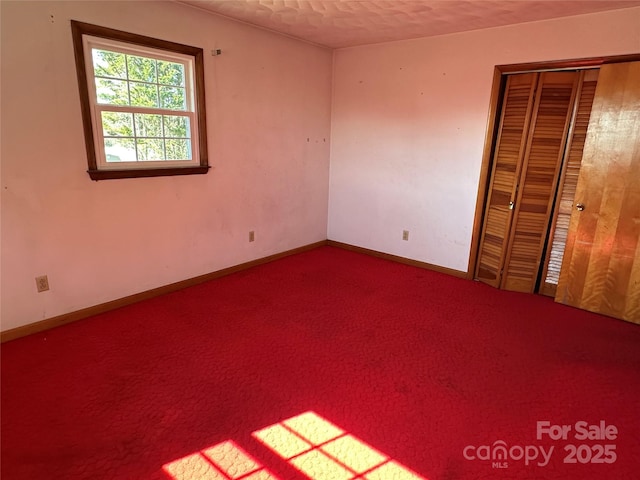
(347,23)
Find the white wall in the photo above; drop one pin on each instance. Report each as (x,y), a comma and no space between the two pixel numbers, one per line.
(99,241)
(407,129)
(409,121)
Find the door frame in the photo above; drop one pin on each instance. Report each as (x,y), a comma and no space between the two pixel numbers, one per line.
(500,74)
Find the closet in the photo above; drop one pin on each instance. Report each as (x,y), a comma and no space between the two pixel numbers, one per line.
(567,183)
(562,208)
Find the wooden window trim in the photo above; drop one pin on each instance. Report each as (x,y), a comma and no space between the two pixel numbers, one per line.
(500,73)
(78,29)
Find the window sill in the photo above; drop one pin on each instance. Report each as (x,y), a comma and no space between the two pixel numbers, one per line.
(146,172)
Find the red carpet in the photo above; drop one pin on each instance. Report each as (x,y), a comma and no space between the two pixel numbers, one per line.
(396,370)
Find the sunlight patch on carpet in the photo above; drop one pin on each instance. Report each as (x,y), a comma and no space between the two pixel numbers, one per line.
(323,451)
(224,461)
(307,442)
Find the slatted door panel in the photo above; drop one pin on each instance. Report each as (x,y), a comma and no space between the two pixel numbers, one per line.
(510,146)
(543,159)
(568,182)
(601,269)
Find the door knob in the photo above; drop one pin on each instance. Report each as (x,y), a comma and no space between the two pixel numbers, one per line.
(580,206)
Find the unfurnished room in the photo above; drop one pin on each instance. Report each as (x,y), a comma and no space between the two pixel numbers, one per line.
(320,239)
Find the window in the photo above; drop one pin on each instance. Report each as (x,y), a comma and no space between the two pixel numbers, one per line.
(142,104)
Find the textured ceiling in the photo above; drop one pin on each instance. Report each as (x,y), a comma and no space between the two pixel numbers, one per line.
(346,23)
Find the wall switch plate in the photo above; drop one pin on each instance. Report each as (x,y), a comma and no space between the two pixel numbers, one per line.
(42,283)
(252,236)
(405,235)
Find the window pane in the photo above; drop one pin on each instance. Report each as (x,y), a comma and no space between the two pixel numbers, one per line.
(143,94)
(140,99)
(175,126)
(112,92)
(178,149)
(170,73)
(150,149)
(141,68)
(172,98)
(119,150)
(148,125)
(109,64)
(115,124)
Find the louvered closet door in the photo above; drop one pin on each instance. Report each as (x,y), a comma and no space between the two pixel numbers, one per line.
(507,161)
(601,269)
(568,182)
(539,179)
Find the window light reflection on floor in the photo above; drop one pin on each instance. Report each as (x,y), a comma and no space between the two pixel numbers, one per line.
(312,445)
(224,461)
(323,451)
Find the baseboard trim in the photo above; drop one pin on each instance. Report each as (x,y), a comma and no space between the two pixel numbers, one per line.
(70,317)
(63,319)
(398,259)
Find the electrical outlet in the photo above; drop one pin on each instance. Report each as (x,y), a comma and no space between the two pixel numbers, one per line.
(405,235)
(42,283)
(252,236)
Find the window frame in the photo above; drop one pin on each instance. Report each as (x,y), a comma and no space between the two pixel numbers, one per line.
(82,34)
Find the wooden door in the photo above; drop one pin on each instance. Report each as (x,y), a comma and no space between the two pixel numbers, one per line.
(515,116)
(601,267)
(539,179)
(568,181)
(529,148)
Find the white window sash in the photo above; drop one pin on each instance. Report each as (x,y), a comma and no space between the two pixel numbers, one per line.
(90,43)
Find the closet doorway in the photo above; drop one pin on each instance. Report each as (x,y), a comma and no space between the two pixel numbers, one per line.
(549,221)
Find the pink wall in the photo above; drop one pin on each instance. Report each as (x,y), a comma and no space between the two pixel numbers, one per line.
(409,121)
(407,127)
(99,241)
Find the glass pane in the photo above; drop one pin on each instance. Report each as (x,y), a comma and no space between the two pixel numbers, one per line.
(112,92)
(148,125)
(119,150)
(141,68)
(109,64)
(178,149)
(143,94)
(172,98)
(175,126)
(116,124)
(171,73)
(150,149)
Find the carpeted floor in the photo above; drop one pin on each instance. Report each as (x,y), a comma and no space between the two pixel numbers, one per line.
(423,374)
